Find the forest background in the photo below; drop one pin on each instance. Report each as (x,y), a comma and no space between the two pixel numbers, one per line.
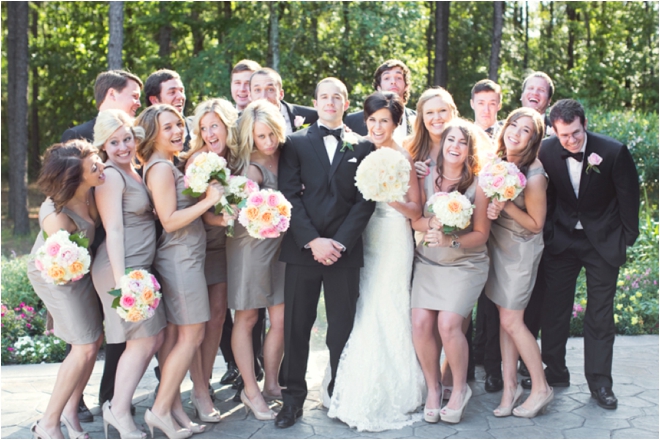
(604,54)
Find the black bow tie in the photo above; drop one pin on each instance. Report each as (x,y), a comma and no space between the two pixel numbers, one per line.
(327,132)
(577,156)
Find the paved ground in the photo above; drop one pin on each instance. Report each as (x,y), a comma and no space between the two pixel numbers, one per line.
(26,389)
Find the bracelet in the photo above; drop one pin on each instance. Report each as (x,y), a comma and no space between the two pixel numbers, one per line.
(429,223)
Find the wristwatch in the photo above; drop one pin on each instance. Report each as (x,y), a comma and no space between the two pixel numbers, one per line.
(455,244)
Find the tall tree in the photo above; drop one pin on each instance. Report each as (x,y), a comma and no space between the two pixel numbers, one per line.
(274,36)
(498,23)
(17,82)
(165,35)
(34,162)
(116,40)
(429,44)
(572,18)
(441,43)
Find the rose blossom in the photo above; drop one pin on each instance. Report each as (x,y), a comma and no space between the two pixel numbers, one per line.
(127,301)
(594,159)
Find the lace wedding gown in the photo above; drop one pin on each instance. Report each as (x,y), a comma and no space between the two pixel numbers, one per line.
(379,381)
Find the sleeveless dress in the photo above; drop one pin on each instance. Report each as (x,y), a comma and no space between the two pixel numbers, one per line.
(179,262)
(444,278)
(515,254)
(76,315)
(255,276)
(139,252)
(379,381)
(215,267)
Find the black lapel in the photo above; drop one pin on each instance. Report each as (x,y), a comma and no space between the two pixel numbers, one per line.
(289,110)
(316,142)
(586,177)
(339,155)
(562,168)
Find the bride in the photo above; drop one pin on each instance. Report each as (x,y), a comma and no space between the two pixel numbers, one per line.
(379,381)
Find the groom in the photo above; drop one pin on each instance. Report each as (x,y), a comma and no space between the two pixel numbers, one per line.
(324,243)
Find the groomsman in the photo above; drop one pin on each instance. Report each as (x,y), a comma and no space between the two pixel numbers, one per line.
(113,90)
(593,216)
(266,83)
(486,101)
(538,89)
(324,243)
(391,76)
(240,82)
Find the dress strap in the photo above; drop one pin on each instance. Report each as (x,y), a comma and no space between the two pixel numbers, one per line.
(150,164)
(270,179)
(536,171)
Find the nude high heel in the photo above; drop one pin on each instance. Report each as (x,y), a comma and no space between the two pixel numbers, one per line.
(39,432)
(432,415)
(540,407)
(505,411)
(153,421)
(448,415)
(72,432)
(196,428)
(110,419)
(212,417)
(268,415)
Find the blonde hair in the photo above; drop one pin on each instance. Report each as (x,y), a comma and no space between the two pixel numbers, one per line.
(419,144)
(258,111)
(229,117)
(148,121)
(107,123)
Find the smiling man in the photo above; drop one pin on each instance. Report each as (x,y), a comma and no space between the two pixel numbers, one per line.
(486,101)
(165,87)
(240,82)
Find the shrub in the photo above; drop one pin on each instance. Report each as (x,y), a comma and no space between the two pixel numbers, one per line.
(16,287)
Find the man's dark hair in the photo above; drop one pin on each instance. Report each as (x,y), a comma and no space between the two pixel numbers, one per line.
(391,64)
(268,72)
(546,77)
(112,79)
(567,110)
(245,66)
(152,85)
(486,85)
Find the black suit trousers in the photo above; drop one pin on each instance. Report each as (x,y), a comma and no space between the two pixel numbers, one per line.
(487,339)
(562,271)
(302,289)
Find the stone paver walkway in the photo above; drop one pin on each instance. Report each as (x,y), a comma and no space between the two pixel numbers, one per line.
(573,414)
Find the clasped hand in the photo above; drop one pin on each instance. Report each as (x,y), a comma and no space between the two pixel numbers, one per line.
(422,168)
(494,209)
(325,250)
(436,238)
(214,192)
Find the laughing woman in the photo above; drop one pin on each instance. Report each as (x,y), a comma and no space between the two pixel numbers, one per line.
(128,219)
(67,178)
(179,263)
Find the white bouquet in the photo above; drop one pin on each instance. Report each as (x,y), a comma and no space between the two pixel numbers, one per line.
(205,168)
(383,176)
(453,210)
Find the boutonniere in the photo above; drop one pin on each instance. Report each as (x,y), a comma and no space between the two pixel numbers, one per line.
(592,163)
(348,142)
(299,122)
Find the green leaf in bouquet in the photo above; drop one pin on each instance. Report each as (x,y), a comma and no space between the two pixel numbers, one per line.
(191,193)
(43,233)
(242,204)
(80,239)
(115,302)
(115,292)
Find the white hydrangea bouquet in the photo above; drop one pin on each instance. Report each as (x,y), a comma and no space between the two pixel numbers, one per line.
(138,295)
(63,257)
(237,190)
(383,176)
(205,168)
(453,210)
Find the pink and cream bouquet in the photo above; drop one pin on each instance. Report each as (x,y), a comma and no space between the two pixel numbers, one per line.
(501,180)
(138,295)
(383,176)
(453,210)
(205,168)
(237,191)
(266,214)
(63,257)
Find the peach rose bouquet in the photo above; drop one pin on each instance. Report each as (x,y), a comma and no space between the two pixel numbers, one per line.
(63,257)
(501,180)
(138,295)
(237,191)
(266,214)
(453,210)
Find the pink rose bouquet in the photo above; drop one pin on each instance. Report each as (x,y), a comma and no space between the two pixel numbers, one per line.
(237,190)
(266,214)
(138,295)
(501,180)
(63,257)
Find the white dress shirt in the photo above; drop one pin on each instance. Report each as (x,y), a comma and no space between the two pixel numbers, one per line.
(330,142)
(575,173)
(401,131)
(287,120)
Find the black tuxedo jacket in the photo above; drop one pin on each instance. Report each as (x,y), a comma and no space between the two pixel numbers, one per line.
(83,131)
(355,121)
(294,110)
(608,202)
(330,205)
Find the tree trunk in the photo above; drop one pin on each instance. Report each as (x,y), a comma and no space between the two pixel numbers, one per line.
(274,36)
(441,43)
(549,29)
(429,44)
(343,56)
(34,162)
(116,42)
(164,36)
(17,116)
(196,28)
(224,19)
(570,51)
(498,22)
(526,60)
(587,25)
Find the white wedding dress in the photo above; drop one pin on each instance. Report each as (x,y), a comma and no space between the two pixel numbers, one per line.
(379,382)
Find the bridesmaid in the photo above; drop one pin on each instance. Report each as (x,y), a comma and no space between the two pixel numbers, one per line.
(214,129)
(67,178)
(128,219)
(179,263)
(256,277)
(515,246)
(460,260)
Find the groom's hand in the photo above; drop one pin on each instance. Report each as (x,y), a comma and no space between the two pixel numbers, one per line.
(325,250)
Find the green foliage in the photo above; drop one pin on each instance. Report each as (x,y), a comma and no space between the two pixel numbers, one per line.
(16,287)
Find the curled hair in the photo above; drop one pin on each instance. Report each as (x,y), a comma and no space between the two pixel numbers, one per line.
(419,146)
(229,117)
(531,150)
(389,65)
(477,141)
(62,170)
(258,111)
(148,121)
(381,100)
(107,123)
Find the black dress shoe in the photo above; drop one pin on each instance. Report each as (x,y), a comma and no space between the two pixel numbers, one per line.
(238,383)
(605,397)
(493,383)
(287,416)
(230,375)
(556,383)
(522,369)
(211,393)
(84,414)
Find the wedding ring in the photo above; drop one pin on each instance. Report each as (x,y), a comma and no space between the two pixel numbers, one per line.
(328,261)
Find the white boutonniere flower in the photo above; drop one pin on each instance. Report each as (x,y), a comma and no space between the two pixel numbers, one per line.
(592,163)
(298,122)
(349,141)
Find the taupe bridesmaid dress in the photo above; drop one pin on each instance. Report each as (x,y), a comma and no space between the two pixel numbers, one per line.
(444,278)
(515,254)
(255,277)
(179,262)
(74,306)
(215,268)
(139,253)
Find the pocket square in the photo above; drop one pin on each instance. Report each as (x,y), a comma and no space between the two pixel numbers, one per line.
(352,160)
